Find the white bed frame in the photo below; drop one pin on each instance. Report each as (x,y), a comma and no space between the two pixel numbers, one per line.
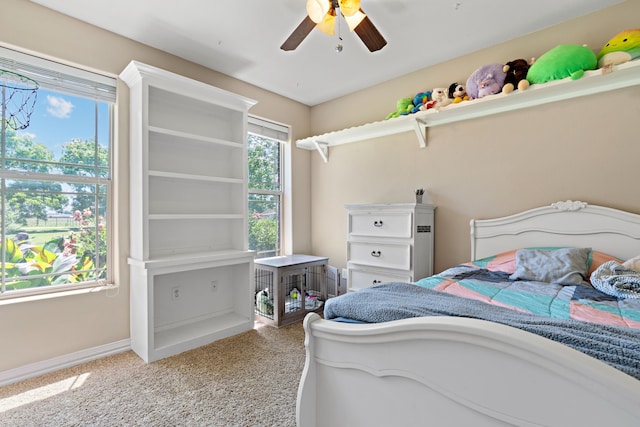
(449,371)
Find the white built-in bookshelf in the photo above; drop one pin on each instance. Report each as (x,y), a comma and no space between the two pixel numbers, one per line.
(191,272)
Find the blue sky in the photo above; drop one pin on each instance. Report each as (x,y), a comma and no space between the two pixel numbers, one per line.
(59,118)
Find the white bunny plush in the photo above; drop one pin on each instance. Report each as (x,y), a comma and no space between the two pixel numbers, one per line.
(441,96)
(632,264)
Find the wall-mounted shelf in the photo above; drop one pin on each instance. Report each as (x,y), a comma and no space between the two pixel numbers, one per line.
(593,82)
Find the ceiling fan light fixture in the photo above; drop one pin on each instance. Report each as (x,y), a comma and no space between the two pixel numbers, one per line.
(328,23)
(349,7)
(354,20)
(318,9)
(321,14)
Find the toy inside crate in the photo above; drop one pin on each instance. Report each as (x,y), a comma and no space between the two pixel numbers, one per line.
(289,287)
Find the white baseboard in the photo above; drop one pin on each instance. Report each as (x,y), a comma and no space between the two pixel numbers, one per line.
(44,367)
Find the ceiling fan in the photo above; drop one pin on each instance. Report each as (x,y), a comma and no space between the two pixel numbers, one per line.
(322,14)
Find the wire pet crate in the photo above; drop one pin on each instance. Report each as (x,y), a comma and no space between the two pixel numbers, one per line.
(289,287)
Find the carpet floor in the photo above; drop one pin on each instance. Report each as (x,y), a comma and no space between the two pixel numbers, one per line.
(250,379)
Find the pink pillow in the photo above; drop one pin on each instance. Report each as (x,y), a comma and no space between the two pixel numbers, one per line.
(599,258)
(505,261)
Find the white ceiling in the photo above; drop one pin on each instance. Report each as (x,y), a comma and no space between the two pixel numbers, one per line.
(242,38)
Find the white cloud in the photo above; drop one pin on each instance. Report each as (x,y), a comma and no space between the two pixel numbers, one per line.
(59,107)
(29,135)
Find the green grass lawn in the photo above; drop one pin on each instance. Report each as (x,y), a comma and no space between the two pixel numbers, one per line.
(41,235)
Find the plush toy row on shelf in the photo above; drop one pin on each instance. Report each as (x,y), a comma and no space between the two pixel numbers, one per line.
(566,60)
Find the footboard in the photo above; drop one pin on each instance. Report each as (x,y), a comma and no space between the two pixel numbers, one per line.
(451,371)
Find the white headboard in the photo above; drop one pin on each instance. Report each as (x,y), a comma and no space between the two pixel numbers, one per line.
(567,223)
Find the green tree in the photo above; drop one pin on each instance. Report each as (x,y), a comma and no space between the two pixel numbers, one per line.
(264,163)
(26,205)
(24,154)
(79,159)
(263,233)
(30,198)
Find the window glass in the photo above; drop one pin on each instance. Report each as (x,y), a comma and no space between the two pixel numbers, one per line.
(265,188)
(55,183)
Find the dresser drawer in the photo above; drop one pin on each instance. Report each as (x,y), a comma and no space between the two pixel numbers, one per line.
(380,255)
(360,279)
(380,224)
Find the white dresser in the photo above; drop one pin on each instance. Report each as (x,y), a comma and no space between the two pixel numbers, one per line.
(389,243)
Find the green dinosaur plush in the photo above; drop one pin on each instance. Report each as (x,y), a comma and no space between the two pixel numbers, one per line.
(403,107)
(565,60)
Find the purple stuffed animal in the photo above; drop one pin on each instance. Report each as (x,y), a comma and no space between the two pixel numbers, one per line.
(486,80)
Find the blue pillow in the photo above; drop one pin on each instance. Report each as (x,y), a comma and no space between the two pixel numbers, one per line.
(563,266)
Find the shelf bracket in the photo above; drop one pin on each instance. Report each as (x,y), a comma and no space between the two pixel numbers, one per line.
(420,126)
(323,149)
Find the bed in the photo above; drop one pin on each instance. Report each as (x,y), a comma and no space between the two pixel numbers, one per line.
(450,369)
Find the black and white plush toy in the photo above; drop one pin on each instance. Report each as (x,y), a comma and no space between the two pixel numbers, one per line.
(457,93)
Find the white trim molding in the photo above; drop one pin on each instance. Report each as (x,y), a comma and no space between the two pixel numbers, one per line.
(66,361)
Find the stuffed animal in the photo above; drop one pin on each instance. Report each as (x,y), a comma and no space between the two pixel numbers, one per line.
(565,60)
(419,100)
(457,93)
(428,105)
(403,107)
(486,80)
(632,264)
(264,303)
(441,97)
(623,47)
(516,75)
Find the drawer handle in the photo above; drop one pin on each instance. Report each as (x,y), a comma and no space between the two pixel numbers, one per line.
(377,223)
(376,254)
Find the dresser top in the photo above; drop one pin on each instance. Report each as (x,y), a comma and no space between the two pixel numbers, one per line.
(426,206)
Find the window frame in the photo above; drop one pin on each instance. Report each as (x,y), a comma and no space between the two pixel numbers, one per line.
(276,131)
(80,83)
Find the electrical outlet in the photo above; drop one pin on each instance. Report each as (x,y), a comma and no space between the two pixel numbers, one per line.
(214,285)
(176,293)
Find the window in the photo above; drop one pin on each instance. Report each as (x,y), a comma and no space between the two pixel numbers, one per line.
(55,175)
(265,160)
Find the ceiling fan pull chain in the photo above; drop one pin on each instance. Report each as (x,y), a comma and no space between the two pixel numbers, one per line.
(339,46)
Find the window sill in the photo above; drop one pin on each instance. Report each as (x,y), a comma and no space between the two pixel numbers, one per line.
(7,300)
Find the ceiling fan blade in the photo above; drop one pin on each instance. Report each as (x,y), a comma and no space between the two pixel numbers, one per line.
(370,35)
(298,34)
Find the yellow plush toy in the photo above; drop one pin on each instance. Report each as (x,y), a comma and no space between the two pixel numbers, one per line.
(623,47)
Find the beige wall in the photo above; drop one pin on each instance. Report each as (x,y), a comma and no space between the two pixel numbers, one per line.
(585,149)
(42,329)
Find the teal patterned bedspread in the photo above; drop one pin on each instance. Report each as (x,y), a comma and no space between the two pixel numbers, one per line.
(583,303)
